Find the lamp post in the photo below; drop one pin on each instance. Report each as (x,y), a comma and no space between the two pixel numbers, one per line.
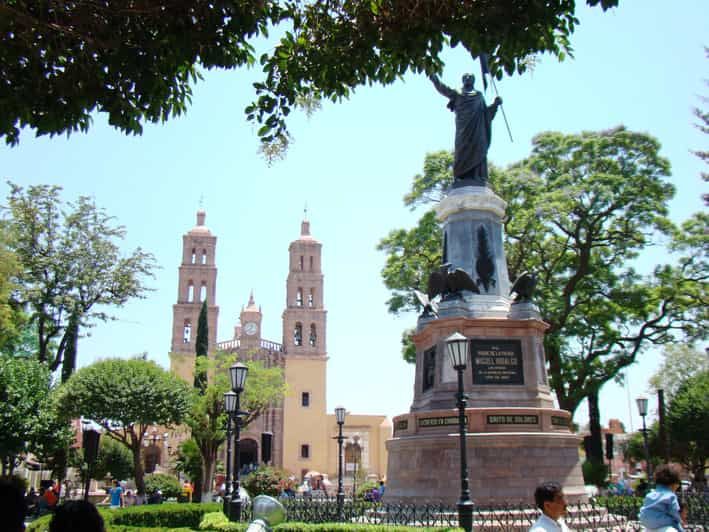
(340,418)
(237,375)
(642,410)
(457,347)
(89,440)
(230,408)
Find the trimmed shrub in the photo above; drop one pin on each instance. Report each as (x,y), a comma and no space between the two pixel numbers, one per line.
(168,485)
(169,515)
(595,473)
(265,481)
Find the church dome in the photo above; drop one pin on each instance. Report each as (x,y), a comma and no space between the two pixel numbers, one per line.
(200,228)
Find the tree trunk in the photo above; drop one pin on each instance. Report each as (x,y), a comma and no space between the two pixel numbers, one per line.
(594,421)
(72,340)
(208,466)
(138,469)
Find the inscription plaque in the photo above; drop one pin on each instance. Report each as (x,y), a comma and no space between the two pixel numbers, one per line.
(440,421)
(513,420)
(559,421)
(402,424)
(496,361)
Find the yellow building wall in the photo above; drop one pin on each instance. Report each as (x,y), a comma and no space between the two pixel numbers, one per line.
(373,432)
(305,425)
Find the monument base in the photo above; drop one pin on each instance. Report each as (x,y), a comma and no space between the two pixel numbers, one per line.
(510,451)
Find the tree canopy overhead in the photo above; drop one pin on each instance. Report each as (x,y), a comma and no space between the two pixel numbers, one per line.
(137,60)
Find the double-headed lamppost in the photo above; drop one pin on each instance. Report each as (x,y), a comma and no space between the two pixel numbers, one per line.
(457,347)
(340,417)
(230,409)
(237,375)
(642,410)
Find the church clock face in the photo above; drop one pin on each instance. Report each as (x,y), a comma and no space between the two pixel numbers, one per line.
(250,328)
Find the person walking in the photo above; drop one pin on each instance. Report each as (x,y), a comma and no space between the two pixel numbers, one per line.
(549,498)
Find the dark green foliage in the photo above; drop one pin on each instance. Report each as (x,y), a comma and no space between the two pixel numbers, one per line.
(595,473)
(265,481)
(164,515)
(71,344)
(688,423)
(201,348)
(168,485)
(189,460)
(63,61)
(114,459)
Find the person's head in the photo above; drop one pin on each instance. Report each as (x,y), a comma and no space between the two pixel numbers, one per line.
(115,483)
(667,475)
(12,506)
(468,82)
(76,516)
(549,497)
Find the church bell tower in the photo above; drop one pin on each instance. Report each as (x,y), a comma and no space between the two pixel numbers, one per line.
(197,279)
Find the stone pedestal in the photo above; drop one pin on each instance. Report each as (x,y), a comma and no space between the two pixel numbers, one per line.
(516,438)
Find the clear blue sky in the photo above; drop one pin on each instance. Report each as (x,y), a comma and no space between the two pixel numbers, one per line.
(641,65)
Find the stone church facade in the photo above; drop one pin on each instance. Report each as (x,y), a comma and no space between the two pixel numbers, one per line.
(302,429)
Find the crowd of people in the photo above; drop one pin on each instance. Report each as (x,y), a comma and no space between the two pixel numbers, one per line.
(661,509)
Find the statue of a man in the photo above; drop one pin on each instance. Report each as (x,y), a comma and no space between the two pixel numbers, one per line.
(473,120)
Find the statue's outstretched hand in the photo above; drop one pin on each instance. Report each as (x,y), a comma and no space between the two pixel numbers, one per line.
(498,101)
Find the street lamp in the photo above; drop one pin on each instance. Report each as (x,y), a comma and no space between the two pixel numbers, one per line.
(89,441)
(237,375)
(457,348)
(642,410)
(230,408)
(340,418)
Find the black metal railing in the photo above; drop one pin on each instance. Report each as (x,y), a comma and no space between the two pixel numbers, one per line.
(606,513)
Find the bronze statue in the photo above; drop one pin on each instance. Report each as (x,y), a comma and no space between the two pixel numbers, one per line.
(473,120)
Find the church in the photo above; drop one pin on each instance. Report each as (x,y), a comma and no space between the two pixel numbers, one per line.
(301,427)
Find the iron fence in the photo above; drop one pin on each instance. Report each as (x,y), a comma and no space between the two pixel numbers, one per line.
(607,513)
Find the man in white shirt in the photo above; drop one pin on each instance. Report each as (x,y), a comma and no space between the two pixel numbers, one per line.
(550,499)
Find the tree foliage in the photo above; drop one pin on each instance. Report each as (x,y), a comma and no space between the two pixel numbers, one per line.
(11,316)
(680,362)
(580,209)
(70,267)
(137,61)
(687,420)
(125,397)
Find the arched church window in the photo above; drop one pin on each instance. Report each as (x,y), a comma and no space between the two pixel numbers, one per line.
(194,255)
(299,297)
(311,263)
(298,334)
(311,297)
(187,332)
(301,263)
(190,292)
(313,336)
(203,292)
(204,256)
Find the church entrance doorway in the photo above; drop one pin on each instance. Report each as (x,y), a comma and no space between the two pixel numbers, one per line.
(248,455)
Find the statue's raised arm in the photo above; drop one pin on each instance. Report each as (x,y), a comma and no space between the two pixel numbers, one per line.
(473,131)
(441,87)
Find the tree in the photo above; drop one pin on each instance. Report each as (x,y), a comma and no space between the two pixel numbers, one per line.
(125,397)
(634,447)
(580,209)
(11,316)
(207,418)
(680,362)
(201,347)
(687,421)
(24,389)
(703,125)
(136,62)
(70,266)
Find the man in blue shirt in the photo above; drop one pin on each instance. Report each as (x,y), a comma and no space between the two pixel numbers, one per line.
(660,508)
(116,495)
